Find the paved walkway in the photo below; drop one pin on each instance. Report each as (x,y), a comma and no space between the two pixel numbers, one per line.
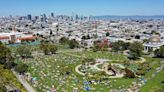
(77,70)
(142,60)
(97,68)
(21,79)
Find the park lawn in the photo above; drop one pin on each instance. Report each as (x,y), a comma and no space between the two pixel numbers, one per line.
(154,63)
(32,47)
(49,65)
(122,82)
(154,84)
(71,58)
(101,54)
(36,47)
(63,46)
(9,78)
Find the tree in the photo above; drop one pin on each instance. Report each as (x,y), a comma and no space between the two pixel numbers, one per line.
(24,51)
(116,46)
(129,73)
(126,46)
(107,34)
(159,52)
(53,48)
(48,48)
(88,36)
(145,40)
(84,37)
(63,40)
(6,57)
(51,32)
(44,47)
(73,44)
(10,65)
(136,49)
(120,46)
(95,36)
(96,47)
(21,68)
(101,45)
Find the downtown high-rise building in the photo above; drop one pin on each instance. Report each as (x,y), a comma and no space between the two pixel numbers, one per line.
(29,17)
(52,15)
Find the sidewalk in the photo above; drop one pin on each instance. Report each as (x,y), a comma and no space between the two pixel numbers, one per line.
(21,79)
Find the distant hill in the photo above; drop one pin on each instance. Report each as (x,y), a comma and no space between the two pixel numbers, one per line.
(127,17)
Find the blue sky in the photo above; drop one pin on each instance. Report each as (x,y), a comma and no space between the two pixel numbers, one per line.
(82,7)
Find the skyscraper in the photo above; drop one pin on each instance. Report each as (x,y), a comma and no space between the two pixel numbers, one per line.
(76,17)
(43,18)
(29,17)
(52,14)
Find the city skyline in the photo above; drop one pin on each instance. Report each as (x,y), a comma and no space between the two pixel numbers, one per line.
(82,7)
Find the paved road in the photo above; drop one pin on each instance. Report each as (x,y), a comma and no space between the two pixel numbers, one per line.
(21,79)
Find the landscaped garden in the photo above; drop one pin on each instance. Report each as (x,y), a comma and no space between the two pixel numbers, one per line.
(59,70)
(74,69)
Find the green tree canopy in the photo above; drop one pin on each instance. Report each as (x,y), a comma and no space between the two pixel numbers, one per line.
(120,46)
(24,51)
(84,37)
(136,49)
(73,44)
(107,34)
(159,52)
(6,57)
(63,40)
(53,48)
(21,68)
(48,48)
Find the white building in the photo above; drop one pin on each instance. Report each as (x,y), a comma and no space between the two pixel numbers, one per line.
(153,43)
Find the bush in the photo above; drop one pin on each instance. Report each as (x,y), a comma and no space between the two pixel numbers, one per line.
(21,68)
(88,60)
(141,72)
(129,73)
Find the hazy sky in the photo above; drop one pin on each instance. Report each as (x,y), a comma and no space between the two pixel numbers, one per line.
(82,7)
